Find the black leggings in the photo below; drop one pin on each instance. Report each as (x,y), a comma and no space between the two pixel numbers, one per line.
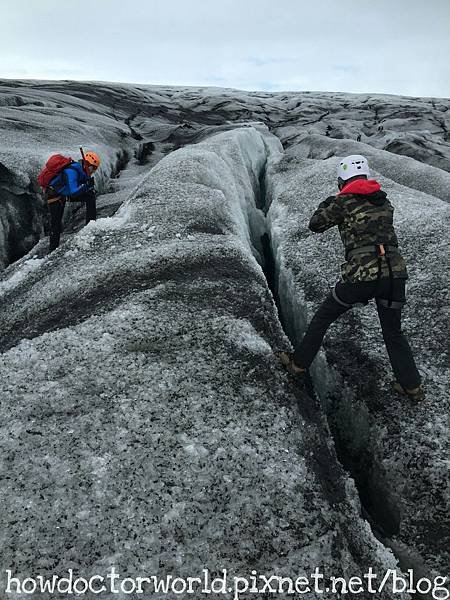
(348,294)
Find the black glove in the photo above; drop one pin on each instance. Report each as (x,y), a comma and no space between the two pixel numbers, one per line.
(89,186)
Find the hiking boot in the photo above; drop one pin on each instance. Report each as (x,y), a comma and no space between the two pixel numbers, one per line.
(301,375)
(287,360)
(415,394)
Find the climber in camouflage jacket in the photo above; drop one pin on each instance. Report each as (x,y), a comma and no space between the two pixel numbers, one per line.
(374,268)
(364,217)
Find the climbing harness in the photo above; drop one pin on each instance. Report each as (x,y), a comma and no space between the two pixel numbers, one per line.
(381,251)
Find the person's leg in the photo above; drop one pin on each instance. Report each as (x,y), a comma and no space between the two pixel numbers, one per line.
(335,305)
(398,348)
(327,313)
(56,210)
(91,209)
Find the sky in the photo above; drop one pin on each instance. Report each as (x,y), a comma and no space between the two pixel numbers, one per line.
(375,46)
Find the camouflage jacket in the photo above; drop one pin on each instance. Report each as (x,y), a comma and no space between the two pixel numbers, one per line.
(363,220)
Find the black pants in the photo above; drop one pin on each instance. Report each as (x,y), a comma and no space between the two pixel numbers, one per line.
(91,209)
(56,210)
(347,294)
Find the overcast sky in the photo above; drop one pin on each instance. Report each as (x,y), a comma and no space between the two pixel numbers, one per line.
(378,46)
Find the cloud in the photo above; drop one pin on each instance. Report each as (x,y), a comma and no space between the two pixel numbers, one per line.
(383,46)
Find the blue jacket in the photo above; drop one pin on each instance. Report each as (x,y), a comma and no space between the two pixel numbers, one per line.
(72,181)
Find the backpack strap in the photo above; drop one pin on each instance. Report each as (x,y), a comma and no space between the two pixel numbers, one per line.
(381,251)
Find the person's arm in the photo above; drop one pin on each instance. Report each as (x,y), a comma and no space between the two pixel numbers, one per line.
(73,183)
(328,214)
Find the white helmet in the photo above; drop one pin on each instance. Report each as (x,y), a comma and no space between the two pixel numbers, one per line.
(353,165)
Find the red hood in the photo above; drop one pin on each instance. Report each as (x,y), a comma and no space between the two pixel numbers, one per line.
(361,186)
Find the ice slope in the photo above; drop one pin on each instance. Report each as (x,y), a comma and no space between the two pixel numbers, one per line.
(398,453)
(407,171)
(145,422)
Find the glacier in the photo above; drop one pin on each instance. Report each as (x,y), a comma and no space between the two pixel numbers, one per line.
(146,422)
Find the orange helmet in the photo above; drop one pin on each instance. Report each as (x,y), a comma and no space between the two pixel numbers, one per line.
(92,158)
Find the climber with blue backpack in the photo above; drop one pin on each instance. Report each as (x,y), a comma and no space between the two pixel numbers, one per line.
(63,179)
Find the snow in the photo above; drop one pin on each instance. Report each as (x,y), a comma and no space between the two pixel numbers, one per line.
(21,275)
